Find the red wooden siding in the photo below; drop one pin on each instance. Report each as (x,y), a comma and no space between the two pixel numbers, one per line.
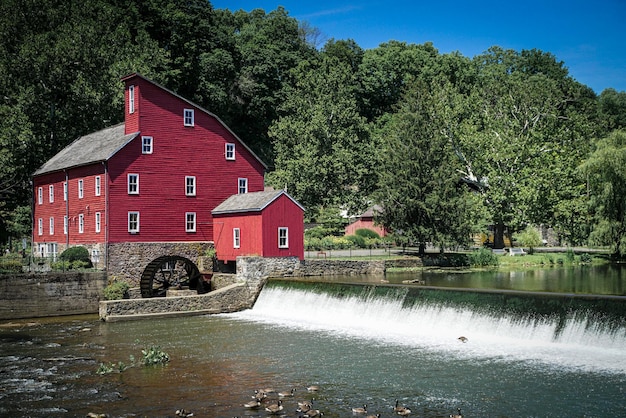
(250,226)
(73,208)
(365,223)
(283,212)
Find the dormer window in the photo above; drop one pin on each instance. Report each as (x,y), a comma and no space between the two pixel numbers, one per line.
(131,99)
(188,117)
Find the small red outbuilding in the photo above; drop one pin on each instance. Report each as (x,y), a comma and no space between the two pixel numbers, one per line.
(268,224)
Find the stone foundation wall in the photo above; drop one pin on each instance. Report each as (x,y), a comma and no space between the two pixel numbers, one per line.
(50,294)
(128,260)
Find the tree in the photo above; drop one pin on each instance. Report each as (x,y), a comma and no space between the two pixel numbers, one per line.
(324,155)
(606,173)
(420,186)
(613,109)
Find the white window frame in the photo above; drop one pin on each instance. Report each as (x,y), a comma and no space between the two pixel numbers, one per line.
(40,195)
(65,224)
(131,99)
(133,229)
(236,238)
(98,222)
(188,117)
(242,185)
(40,226)
(229,151)
(52,225)
(81,223)
(51,250)
(190,222)
(65,191)
(146,144)
(51,193)
(190,185)
(133,183)
(98,186)
(283,237)
(81,189)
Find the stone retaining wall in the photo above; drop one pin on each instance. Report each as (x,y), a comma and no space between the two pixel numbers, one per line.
(50,294)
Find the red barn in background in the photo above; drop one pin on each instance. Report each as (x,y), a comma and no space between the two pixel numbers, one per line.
(366,221)
(267,224)
(137,190)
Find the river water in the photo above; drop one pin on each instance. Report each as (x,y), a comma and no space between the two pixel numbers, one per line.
(361,347)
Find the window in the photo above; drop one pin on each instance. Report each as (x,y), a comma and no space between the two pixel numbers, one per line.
(65,191)
(243,186)
(98,186)
(81,223)
(65,224)
(133,222)
(40,226)
(188,116)
(52,250)
(190,185)
(236,238)
(40,195)
(190,222)
(51,193)
(52,225)
(131,99)
(133,184)
(80,189)
(230,151)
(146,145)
(283,237)
(97,222)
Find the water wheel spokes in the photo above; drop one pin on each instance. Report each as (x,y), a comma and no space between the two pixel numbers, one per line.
(168,272)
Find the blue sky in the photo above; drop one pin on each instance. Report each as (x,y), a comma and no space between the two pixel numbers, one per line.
(588,36)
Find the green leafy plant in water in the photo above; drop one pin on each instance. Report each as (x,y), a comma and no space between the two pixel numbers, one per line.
(154,355)
(105,368)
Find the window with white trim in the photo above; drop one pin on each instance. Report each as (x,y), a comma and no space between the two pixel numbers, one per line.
(51,193)
(236,238)
(131,99)
(230,151)
(65,224)
(40,195)
(40,226)
(52,225)
(81,223)
(283,237)
(133,184)
(98,186)
(190,185)
(146,145)
(190,222)
(133,222)
(243,185)
(81,191)
(65,191)
(52,250)
(97,222)
(188,117)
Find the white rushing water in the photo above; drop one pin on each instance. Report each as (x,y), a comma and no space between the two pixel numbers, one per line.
(576,344)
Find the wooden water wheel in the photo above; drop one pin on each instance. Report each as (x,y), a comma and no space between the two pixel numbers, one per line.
(169,272)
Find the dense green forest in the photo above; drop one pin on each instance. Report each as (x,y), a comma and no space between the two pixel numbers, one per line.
(447,144)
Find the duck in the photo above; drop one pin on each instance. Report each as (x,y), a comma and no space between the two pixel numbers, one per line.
(373,416)
(259,395)
(274,408)
(304,406)
(458,414)
(401,410)
(313,388)
(183,413)
(462,339)
(313,413)
(360,410)
(286,394)
(252,404)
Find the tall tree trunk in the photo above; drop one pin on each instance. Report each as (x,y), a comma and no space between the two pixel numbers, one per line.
(498,235)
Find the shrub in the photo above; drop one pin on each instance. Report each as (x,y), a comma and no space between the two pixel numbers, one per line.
(10,265)
(529,237)
(116,290)
(585,258)
(367,233)
(78,253)
(483,258)
(357,241)
(569,255)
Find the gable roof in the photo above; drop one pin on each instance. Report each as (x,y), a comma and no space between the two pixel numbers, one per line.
(137,75)
(88,149)
(251,202)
